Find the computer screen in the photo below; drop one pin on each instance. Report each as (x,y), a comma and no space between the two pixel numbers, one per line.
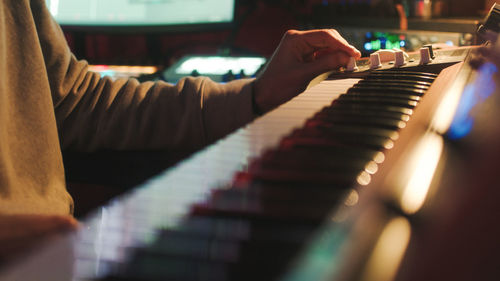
(116,13)
(218,68)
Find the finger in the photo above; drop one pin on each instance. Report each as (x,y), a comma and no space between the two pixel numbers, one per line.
(331,39)
(327,62)
(327,38)
(337,35)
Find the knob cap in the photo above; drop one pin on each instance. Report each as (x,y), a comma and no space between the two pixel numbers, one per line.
(399,59)
(431,51)
(375,61)
(351,65)
(425,56)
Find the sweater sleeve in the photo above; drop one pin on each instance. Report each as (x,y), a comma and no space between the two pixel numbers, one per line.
(97,113)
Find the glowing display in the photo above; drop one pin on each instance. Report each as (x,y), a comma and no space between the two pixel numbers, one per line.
(217,68)
(380,40)
(220,65)
(141,12)
(122,71)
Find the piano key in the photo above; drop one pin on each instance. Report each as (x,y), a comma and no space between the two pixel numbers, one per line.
(242,207)
(363,94)
(382,89)
(376,100)
(389,72)
(352,130)
(240,229)
(311,144)
(321,161)
(289,194)
(393,83)
(347,119)
(312,136)
(365,113)
(373,107)
(401,76)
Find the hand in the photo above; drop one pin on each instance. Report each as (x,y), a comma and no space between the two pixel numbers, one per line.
(299,58)
(19,233)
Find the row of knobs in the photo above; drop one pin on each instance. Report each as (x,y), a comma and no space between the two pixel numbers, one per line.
(398,56)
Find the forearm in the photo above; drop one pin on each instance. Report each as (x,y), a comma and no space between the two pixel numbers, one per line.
(97,113)
(125,114)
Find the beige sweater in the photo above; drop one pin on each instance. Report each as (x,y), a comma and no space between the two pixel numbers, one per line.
(49,100)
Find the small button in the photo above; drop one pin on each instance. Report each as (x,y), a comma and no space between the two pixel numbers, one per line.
(431,51)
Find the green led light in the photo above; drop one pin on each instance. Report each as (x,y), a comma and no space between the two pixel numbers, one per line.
(376,45)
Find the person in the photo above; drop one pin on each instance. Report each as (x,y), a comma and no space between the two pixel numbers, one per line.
(50,101)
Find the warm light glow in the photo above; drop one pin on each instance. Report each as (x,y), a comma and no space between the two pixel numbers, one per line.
(379,158)
(454,112)
(388,252)
(389,144)
(364,178)
(122,71)
(394,136)
(423,163)
(447,108)
(352,198)
(371,167)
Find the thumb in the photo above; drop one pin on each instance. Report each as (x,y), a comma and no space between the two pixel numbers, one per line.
(327,62)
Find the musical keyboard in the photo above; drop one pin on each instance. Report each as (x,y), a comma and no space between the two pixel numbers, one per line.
(310,191)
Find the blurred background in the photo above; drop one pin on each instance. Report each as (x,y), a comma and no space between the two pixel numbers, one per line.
(152,38)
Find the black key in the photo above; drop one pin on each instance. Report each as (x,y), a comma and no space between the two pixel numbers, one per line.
(325,138)
(240,229)
(377,100)
(293,142)
(353,130)
(401,72)
(389,105)
(393,83)
(365,113)
(402,76)
(382,89)
(313,162)
(373,121)
(391,95)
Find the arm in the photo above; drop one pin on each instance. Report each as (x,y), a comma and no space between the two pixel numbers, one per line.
(94,112)
(97,113)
